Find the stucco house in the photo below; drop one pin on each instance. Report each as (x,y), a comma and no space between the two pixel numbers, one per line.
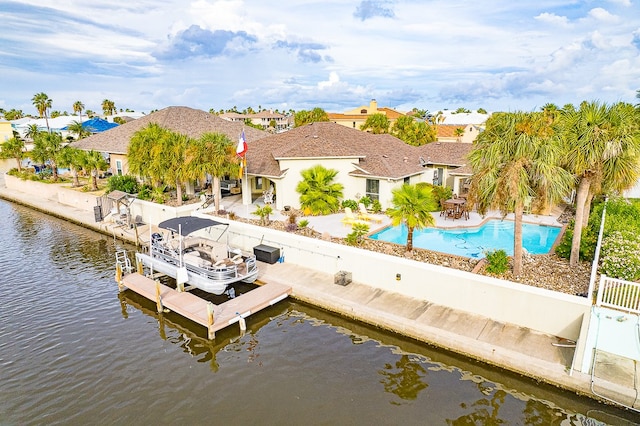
(356,117)
(188,121)
(263,118)
(367,164)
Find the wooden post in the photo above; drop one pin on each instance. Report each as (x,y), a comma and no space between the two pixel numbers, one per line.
(210,319)
(119,277)
(158,298)
(139,266)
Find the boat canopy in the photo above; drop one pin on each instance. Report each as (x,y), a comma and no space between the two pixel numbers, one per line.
(188,224)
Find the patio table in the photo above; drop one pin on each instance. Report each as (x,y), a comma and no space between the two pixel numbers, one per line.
(454,207)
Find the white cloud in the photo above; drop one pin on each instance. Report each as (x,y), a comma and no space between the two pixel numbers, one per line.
(333,54)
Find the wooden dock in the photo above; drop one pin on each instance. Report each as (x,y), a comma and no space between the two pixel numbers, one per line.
(203,312)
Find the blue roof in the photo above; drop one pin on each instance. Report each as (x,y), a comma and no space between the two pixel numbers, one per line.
(96,125)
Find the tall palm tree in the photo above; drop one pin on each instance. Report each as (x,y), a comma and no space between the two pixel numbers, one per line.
(141,151)
(78,107)
(42,102)
(603,150)
(108,107)
(412,206)
(517,156)
(318,192)
(95,162)
(214,154)
(13,148)
(459,132)
(305,117)
(32,132)
(173,160)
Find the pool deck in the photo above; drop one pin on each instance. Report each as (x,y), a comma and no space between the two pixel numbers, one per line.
(535,355)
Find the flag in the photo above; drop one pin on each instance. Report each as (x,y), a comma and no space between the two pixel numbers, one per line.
(242,145)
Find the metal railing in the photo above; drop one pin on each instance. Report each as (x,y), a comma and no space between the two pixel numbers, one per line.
(619,294)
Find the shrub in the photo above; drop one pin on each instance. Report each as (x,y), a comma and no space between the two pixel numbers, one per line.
(620,255)
(352,204)
(145,193)
(303,223)
(497,261)
(366,200)
(356,237)
(125,183)
(441,192)
(376,207)
(263,212)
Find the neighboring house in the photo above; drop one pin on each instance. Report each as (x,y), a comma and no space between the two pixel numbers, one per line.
(367,164)
(96,125)
(6,130)
(188,121)
(264,118)
(355,118)
(449,133)
(58,124)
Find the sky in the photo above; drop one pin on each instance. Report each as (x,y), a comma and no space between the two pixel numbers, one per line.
(333,54)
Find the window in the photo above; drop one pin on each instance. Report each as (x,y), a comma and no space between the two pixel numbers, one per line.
(407,180)
(373,189)
(258,183)
(119,167)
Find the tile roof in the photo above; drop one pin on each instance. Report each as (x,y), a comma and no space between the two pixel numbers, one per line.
(188,121)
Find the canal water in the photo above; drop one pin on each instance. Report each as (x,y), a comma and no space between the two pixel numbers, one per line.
(75,351)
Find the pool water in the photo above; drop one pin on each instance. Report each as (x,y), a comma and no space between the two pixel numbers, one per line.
(494,234)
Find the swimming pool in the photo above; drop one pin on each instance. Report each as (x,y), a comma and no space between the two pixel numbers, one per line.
(494,234)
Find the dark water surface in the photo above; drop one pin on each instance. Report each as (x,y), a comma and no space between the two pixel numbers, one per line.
(75,351)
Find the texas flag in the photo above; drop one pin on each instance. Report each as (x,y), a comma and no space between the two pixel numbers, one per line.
(242,145)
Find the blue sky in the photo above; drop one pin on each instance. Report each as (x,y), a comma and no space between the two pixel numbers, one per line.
(333,54)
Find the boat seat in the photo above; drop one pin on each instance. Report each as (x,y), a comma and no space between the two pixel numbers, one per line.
(193,258)
(219,252)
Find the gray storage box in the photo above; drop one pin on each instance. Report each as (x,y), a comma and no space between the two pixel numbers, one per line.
(266,253)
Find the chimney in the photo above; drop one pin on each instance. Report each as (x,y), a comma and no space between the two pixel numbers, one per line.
(373,106)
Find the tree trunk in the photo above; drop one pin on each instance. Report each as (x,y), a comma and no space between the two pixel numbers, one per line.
(581,198)
(76,181)
(19,161)
(517,240)
(587,210)
(94,179)
(216,192)
(409,238)
(179,192)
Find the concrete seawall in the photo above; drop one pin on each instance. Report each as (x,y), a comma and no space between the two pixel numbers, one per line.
(445,312)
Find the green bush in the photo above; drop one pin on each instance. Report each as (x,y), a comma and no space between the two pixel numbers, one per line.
(497,261)
(356,237)
(125,183)
(352,204)
(619,256)
(376,207)
(145,193)
(366,200)
(441,193)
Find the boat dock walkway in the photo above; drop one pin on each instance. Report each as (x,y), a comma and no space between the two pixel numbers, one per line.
(203,312)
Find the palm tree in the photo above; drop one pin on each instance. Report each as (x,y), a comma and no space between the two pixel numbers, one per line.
(78,129)
(412,206)
(413,132)
(516,157)
(213,154)
(378,123)
(13,148)
(42,102)
(47,147)
(172,158)
(318,193)
(108,107)
(603,151)
(32,132)
(77,108)
(141,150)
(459,132)
(95,162)
(73,158)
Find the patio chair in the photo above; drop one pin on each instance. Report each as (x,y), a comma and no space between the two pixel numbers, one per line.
(364,214)
(350,218)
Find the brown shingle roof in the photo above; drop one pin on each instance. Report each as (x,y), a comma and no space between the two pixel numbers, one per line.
(446,153)
(188,121)
(382,156)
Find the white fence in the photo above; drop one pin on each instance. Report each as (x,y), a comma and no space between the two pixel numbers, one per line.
(619,294)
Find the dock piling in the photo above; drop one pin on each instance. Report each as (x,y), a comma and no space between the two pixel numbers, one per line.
(158,298)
